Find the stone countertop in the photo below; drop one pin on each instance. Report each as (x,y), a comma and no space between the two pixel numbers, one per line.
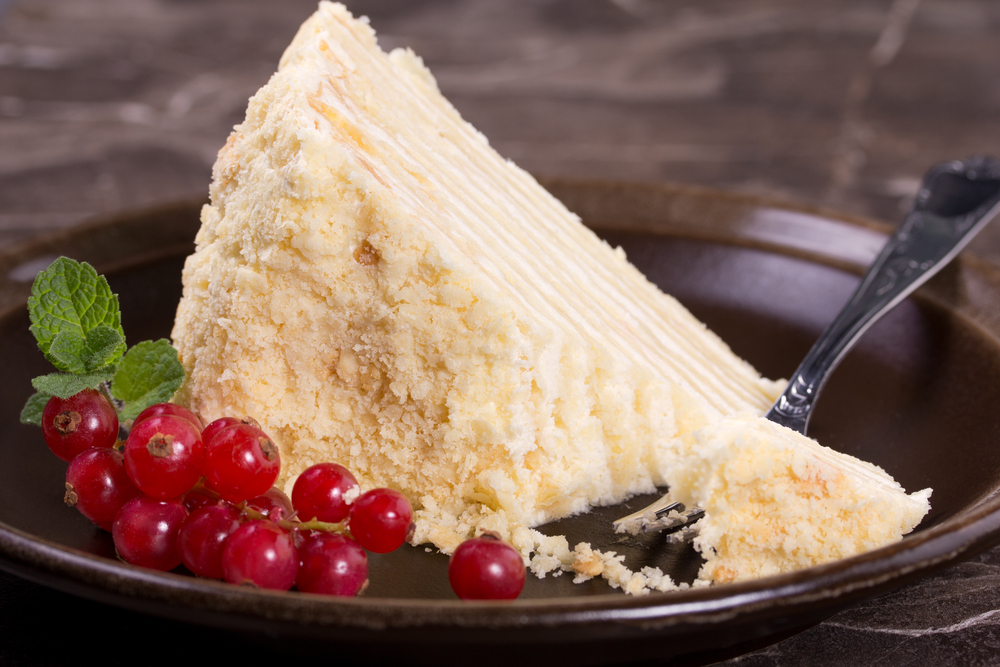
(110,105)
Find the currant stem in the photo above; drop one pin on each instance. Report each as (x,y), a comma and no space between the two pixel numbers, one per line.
(324,526)
(287,524)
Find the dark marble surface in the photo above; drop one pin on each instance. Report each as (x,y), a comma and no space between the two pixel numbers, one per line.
(109,105)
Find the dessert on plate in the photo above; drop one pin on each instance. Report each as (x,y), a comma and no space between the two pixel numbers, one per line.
(377,286)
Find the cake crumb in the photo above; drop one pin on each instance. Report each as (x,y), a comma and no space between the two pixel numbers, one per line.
(586,562)
(351,495)
(551,554)
(548,553)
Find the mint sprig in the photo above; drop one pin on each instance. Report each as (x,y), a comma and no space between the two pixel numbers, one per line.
(76,320)
(73,314)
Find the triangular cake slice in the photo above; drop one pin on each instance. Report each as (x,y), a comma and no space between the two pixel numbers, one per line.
(378,287)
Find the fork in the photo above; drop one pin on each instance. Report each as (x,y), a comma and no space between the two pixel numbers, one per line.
(955,201)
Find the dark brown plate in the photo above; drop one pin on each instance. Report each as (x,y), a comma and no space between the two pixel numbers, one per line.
(916,397)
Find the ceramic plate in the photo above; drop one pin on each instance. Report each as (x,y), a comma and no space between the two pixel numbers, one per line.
(917,397)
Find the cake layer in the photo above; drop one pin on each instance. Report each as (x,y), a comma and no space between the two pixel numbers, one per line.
(777,501)
(378,287)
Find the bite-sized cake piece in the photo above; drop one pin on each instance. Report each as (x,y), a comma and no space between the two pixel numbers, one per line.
(777,501)
(378,287)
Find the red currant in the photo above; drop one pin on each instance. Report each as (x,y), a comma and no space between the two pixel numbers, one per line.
(84,420)
(241,462)
(98,485)
(145,532)
(319,491)
(331,564)
(168,409)
(197,498)
(203,536)
(273,504)
(485,568)
(261,553)
(381,520)
(223,423)
(163,455)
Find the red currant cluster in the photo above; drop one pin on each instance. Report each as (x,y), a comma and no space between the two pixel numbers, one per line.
(179,494)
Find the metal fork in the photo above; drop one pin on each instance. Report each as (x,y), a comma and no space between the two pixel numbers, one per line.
(956,199)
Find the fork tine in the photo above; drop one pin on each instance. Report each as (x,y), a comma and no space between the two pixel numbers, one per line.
(660,507)
(657,517)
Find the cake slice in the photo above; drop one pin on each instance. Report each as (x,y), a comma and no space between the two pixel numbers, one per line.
(378,287)
(777,501)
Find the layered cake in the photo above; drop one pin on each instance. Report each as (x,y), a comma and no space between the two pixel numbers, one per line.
(378,287)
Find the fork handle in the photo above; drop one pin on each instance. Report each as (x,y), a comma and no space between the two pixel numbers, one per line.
(955,201)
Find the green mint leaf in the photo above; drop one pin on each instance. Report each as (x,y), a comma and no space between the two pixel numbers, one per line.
(75,353)
(70,297)
(65,385)
(105,346)
(67,351)
(32,411)
(151,372)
